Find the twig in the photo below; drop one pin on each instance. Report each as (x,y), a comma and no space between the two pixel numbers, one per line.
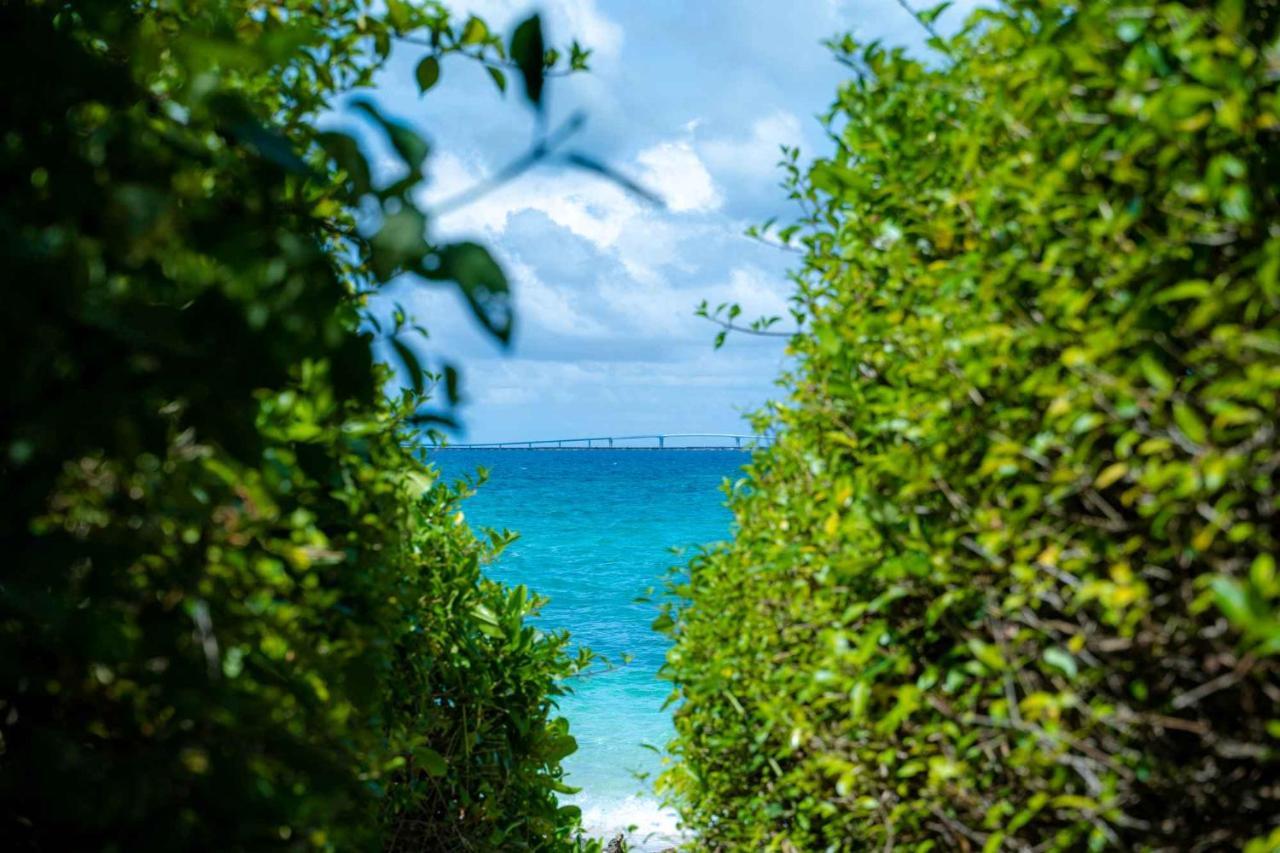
(764,333)
(537,152)
(928,27)
(480,57)
(1191,697)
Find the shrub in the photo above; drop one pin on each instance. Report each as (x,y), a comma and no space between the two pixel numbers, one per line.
(235,611)
(1007,577)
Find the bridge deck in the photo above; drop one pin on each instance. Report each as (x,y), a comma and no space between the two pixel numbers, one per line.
(655,441)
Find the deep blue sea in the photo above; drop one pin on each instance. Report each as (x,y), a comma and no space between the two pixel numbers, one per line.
(597,528)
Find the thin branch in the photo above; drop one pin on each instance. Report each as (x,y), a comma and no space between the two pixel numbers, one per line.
(1222,682)
(919,20)
(481,58)
(763,333)
(536,153)
(774,244)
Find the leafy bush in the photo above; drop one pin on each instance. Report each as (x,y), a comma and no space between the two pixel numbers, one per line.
(235,611)
(1007,578)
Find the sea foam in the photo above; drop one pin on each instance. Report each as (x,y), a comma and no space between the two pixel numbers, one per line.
(648,826)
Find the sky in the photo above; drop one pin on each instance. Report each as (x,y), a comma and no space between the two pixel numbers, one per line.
(692,99)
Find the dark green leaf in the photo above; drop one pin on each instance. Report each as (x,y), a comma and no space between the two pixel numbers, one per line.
(431,761)
(529,52)
(270,145)
(499,79)
(411,364)
(411,147)
(451,384)
(345,151)
(399,243)
(482,282)
(427,73)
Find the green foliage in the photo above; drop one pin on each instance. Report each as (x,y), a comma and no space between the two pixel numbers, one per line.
(236,612)
(1007,577)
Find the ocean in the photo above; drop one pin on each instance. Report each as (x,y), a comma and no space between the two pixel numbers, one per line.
(597,529)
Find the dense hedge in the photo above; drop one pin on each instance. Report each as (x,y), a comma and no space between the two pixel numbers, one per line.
(1008,577)
(235,611)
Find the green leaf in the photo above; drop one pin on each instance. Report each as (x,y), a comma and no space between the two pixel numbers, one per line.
(399,244)
(427,73)
(499,79)
(399,13)
(483,284)
(1190,424)
(1193,289)
(1061,659)
(270,145)
(528,51)
(928,16)
(345,151)
(431,761)
(561,788)
(451,382)
(560,747)
(475,31)
(410,362)
(411,147)
(987,654)
(858,699)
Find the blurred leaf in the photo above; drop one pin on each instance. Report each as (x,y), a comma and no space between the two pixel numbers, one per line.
(499,79)
(427,73)
(431,761)
(474,32)
(451,384)
(411,365)
(528,51)
(271,145)
(400,243)
(411,147)
(482,282)
(345,151)
(1062,660)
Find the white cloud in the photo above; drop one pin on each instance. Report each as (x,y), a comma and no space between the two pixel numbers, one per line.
(585,205)
(675,172)
(555,310)
(581,19)
(643,238)
(754,156)
(662,311)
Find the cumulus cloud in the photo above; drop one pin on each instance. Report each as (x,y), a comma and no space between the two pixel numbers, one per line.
(675,172)
(643,238)
(605,285)
(753,156)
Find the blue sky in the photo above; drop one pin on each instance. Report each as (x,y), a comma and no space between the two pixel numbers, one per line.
(692,99)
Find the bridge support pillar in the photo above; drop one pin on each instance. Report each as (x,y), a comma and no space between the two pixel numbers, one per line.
(662,441)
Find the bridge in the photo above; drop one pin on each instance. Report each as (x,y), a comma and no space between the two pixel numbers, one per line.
(655,441)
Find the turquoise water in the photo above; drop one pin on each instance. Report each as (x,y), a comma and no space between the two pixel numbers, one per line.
(596,532)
